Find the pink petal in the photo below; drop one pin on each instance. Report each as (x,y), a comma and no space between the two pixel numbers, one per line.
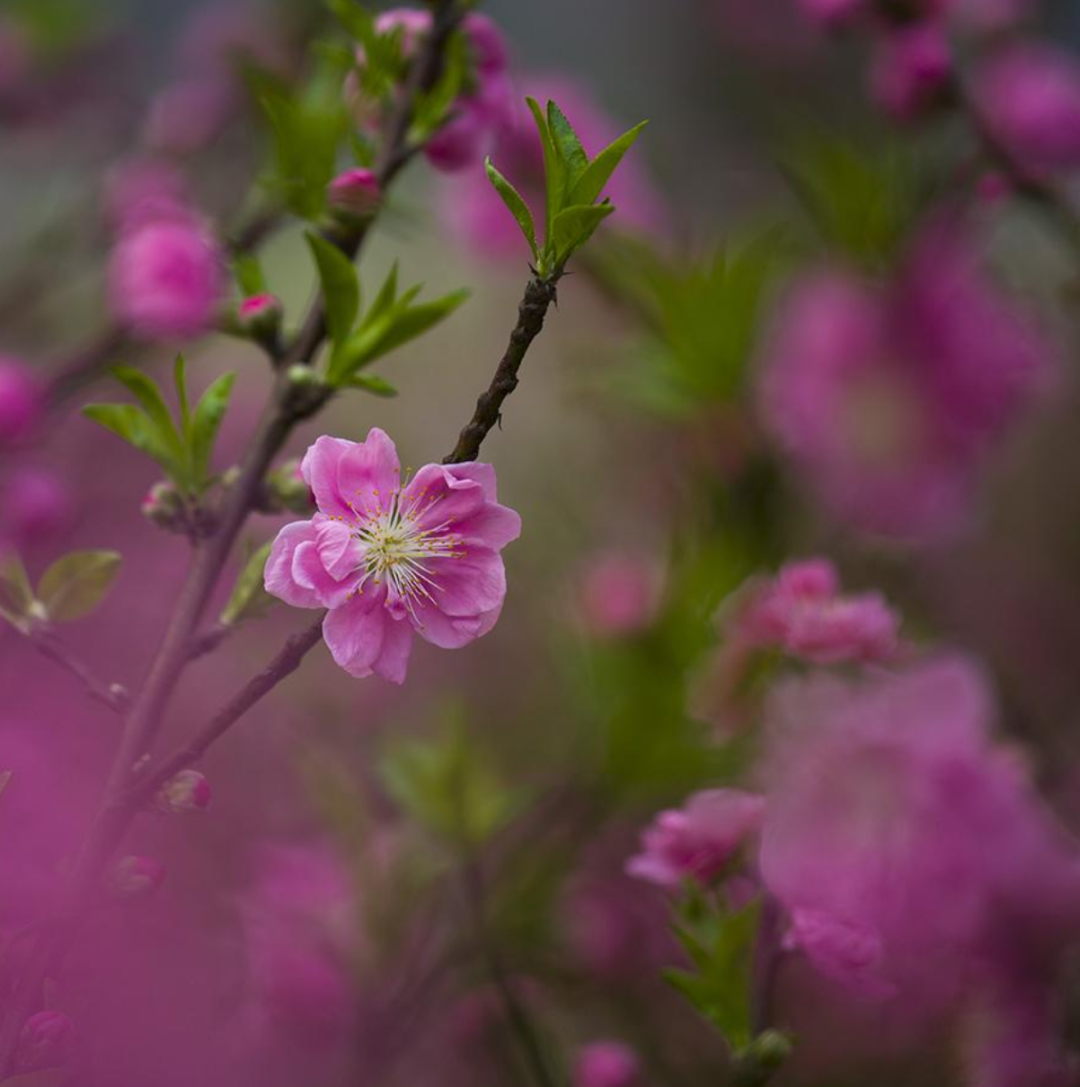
(393,660)
(470,585)
(349,478)
(278,577)
(355,632)
(461,498)
(339,550)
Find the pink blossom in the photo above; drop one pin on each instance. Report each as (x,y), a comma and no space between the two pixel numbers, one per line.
(390,559)
(45,1041)
(299,928)
(355,193)
(472,209)
(188,791)
(35,506)
(166,279)
(697,841)
(606,1064)
(883,794)
(260,315)
(803,612)
(618,595)
(1028,98)
(21,401)
(912,67)
(890,397)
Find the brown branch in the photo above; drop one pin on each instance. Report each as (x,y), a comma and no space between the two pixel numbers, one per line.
(49,645)
(539,295)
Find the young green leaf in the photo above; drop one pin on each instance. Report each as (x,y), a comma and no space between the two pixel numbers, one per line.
(340,286)
(135,427)
(370,383)
(205,424)
(249,598)
(569,150)
(590,185)
(386,297)
(514,201)
(553,169)
(249,275)
(148,394)
(16,593)
(76,584)
(180,381)
(574,226)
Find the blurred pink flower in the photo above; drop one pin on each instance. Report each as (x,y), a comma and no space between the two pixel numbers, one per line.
(390,559)
(355,193)
(476,215)
(35,506)
(883,796)
(911,68)
(1028,98)
(697,841)
(618,595)
(166,279)
(21,400)
(300,918)
(802,612)
(144,189)
(606,1064)
(889,398)
(45,1041)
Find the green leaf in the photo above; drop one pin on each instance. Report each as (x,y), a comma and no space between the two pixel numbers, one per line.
(340,287)
(377,386)
(249,275)
(249,597)
(553,170)
(590,185)
(386,297)
(135,427)
(76,584)
(147,393)
(205,424)
(574,226)
(180,380)
(568,148)
(514,201)
(16,593)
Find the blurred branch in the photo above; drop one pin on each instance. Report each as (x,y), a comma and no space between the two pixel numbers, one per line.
(113,695)
(540,293)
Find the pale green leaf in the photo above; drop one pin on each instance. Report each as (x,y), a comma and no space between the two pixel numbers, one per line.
(515,202)
(77,583)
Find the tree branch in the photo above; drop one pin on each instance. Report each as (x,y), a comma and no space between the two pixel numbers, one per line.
(539,296)
(113,695)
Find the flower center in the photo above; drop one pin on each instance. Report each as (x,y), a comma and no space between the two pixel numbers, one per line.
(399,550)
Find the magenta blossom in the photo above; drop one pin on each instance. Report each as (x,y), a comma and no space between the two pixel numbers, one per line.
(45,1041)
(606,1064)
(803,613)
(389,559)
(21,400)
(697,841)
(142,190)
(618,595)
(354,193)
(1028,99)
(912,67)
(883,796)
(166,279)
(35,506)
(890,397)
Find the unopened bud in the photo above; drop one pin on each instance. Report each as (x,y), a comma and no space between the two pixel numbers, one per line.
(286,490)
(165,507)
(260,316)
(45,1041)
(134,876)
(21,401)
(354,195)
(188,791)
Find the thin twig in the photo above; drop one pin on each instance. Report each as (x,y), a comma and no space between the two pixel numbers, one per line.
(540,293)
(113,695)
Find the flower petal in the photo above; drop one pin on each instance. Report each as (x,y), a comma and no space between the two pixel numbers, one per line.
(354,633)
(278,577)
(470,585)
(348,478)
(462,497)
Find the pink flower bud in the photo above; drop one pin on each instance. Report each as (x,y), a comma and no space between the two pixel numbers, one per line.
(164,507)
(606,1064)
(21,401)
(260,315)
(188,791)
(45,1041)
(36,505)
(911,70)
(1028,97)
(618,595)
(166,279)
(355,194)
(133,876)
(489,51)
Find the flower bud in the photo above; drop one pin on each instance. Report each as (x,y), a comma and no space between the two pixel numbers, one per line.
(353,195)
(133,876)
(188,791)
(21,401)
(36,505)
(164,506)
(260,316)
(286,490)
(618,595)
(911,70)
(45,1041)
